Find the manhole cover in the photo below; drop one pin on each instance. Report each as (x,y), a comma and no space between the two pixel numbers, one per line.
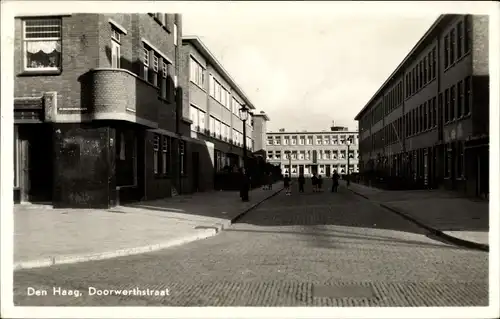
(350,291)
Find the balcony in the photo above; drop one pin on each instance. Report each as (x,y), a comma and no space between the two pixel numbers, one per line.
(118,94)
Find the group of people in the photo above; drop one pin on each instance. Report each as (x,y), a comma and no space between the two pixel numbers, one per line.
(317,183)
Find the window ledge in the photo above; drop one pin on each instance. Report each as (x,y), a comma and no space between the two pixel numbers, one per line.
(40,72)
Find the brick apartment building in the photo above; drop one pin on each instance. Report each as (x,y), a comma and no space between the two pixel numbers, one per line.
(98,113)
(214,101)
(429,121)
(314,152)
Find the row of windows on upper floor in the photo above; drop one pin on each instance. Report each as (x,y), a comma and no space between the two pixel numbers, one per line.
(453,104)
(457,44)
(217,129)
(340,168)
(309,140)
(307,155)
(216,89)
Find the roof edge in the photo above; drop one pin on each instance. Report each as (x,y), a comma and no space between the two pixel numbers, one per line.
(426,35)
(199,45)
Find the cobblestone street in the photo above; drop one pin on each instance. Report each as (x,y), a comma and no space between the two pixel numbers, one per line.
(310,249)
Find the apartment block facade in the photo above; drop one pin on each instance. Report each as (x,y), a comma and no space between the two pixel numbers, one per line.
(214,101)
(98,113)
(314,152)
(430,120)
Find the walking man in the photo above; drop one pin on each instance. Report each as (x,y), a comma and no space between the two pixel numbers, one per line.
(320,183)
(286,183)
(335,180)
(302,181)
(314,181)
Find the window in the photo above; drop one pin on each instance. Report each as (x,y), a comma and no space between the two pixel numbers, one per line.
(277,155)
(115,48)
(165,158)
(269,140)
(42,44)
(302,155)
(309,140)
(460,40)
(145,62)
(182,156)
(302,140)
(194,117)
(452,46)
(434,112)
(318,140)
(467,34)
(163,84)
(286,140)
(446,51)
(277,140)
(270,155)
(153,78)
(434,62)
(201,120)
(426,78)
(212,125)
(446,106)
(156,148)
(217,129)
(196,73)
(425,114)
(429,66)
(175,34)
(468,96)
(222,131)
(16,156)
(460,99)
(294,140)
(452,103)
(211,85)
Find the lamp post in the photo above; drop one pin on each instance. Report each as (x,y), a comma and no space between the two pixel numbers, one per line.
(348,167)
(245,187)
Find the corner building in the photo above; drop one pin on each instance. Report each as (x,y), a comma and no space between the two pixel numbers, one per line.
(314,152)
(98,114)
(429,122)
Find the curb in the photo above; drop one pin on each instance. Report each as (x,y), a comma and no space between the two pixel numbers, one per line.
(201,234)
(434,231)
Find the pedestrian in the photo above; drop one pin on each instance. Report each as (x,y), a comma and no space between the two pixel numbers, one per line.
(302,181)
(314,181)
(335,181)
(320,183)
(286,184)
(244,185)
(270,180)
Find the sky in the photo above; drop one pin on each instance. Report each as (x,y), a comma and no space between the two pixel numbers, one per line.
(306,71)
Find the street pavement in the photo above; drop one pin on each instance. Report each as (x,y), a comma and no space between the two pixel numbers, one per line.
(447,212)
(309,249)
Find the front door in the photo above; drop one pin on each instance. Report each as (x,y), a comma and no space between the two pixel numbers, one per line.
(35,151)
(328,170)
(301,169)
(314,169)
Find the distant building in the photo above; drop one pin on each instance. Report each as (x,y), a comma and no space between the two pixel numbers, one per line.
(430,120)
(314,152)
(259,124)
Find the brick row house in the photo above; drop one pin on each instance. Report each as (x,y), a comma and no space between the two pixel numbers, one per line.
(99,117)
(214,101)
(429,121)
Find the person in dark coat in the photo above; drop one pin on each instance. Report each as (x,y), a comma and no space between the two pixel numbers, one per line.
(244,185)
(335,180)
(320,183)
(286,184)
(302,181)
(314,181)
(270,180)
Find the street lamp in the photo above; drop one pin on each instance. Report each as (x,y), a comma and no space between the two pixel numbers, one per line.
(244,117)
(348,142)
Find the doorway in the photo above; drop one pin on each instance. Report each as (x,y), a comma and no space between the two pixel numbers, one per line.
(34,161)
(328,171)
(314,169)
(196,171)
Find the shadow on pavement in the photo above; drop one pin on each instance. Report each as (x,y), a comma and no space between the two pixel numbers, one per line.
(340,216)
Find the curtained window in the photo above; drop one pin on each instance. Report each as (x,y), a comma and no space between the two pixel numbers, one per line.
(42,44)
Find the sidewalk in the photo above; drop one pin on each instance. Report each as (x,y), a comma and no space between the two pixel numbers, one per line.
(44,236)
(445,213)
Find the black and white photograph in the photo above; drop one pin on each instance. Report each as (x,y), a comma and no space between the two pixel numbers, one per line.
(250,159)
